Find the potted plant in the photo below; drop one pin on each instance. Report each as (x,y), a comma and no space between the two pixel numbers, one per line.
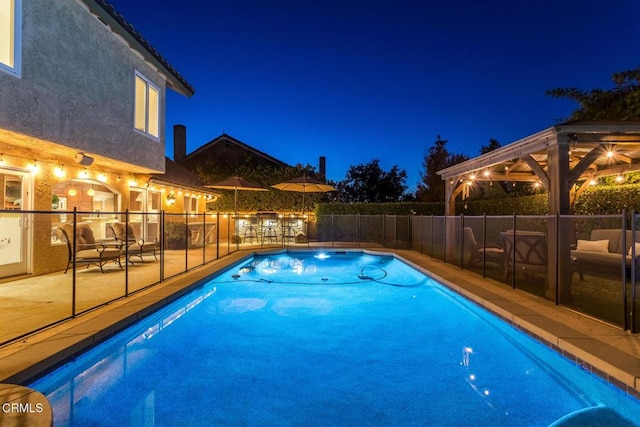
(175,235)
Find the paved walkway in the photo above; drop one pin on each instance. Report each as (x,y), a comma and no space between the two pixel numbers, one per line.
(604,349)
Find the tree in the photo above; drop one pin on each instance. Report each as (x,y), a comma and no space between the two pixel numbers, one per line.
(620,103)
(492,145)
(370,184)
(431,188)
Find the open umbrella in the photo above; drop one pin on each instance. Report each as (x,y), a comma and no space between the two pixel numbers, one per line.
(236,183)
(304,184)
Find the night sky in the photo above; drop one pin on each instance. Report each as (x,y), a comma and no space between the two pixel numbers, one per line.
(358,80)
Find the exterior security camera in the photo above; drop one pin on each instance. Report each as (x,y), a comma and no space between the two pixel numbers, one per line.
(83,159)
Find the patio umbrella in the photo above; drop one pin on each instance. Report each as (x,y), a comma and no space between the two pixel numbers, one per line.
(236,183)
(304,184)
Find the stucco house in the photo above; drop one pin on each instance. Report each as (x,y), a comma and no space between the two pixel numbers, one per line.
(82,125)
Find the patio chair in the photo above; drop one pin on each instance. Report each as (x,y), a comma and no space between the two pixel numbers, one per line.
(530,251)
(479,253)
(134,246)
(87,250)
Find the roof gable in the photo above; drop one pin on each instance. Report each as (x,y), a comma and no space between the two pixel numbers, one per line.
(106,13)
(226,139)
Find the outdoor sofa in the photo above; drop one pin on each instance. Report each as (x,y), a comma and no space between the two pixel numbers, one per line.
(604,248)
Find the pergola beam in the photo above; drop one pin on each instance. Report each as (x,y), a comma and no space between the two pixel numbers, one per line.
(583,164)
(537,169)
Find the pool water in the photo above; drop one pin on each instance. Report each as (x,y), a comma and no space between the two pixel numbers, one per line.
(347,339)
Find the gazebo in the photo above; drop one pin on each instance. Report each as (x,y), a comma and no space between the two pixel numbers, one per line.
(564,159)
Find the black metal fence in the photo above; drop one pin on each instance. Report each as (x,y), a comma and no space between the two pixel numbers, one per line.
(81,260)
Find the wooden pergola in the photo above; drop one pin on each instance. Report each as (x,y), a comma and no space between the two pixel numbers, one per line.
(565,159)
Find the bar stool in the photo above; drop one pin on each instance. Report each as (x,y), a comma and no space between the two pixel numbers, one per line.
(249,234)
(270,235)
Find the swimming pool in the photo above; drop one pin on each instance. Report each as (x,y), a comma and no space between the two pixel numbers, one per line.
(342,339)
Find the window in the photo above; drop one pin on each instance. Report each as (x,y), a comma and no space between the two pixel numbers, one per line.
(10,35)
(191,204)
(147,106)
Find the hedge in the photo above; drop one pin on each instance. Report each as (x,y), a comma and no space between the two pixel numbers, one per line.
(599,200)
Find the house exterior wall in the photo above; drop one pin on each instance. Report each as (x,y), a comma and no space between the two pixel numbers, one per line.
(77,86)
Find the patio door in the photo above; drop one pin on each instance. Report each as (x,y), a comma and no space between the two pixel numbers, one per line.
(144,209)
(14,244)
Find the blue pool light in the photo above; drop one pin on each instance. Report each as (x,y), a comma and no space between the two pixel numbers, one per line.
(321,255)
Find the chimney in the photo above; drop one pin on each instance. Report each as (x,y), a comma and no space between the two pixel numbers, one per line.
(323,168)
(179,142)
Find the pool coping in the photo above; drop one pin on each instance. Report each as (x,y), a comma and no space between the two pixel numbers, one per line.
(598,347)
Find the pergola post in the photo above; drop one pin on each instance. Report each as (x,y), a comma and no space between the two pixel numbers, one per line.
(559,237)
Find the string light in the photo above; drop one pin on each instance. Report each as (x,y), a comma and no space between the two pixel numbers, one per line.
(58,172)
(33,167)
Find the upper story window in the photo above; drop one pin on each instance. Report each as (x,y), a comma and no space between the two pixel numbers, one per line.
(10,35)
(147,106)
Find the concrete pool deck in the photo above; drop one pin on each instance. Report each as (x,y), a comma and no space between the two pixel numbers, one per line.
(598,347)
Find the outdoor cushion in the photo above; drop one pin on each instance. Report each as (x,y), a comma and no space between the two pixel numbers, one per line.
(595,246)
(637,250)
(614,235)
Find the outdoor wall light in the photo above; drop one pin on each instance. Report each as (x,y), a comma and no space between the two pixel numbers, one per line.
(171,199)
(84,174)
(83,159)
(91,192)
(72,192)
(102,177)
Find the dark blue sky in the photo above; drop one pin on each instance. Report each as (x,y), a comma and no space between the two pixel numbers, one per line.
(359,80)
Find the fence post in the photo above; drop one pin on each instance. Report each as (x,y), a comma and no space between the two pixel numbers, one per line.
(484,245)
(162,241)
(625,301)
(632,313)
(461,241)
(204,237)
(513,254)
(126,252)
(73,262)
(186,238)
(557,272)
(217,234)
